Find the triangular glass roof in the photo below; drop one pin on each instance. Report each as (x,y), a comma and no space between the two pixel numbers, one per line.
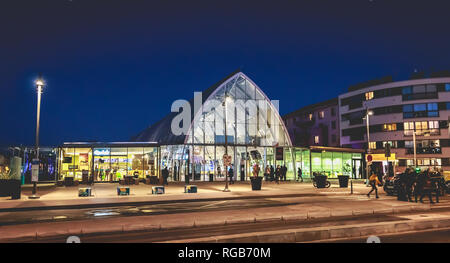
(247,118)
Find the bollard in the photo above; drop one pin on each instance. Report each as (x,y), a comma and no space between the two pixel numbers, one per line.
(351,187)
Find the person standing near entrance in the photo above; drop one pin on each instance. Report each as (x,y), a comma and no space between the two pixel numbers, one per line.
(165,174)
(299,174)
(267,173)
(277,174)
(231,174)
(373,181)
(272,173)
(242,172)
(284,172)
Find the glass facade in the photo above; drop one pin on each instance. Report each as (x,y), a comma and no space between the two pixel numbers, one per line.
(235,119)
(334,163)
(106,164)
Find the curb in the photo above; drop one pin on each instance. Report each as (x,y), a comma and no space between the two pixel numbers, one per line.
(324,233)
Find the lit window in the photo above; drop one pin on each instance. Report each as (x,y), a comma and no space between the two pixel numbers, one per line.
(372,145)
(447,87)
(316,139)
(389,127)
(321,115)
(310,116)
(369,95)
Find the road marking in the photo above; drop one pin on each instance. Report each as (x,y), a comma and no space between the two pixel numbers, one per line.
(217,203)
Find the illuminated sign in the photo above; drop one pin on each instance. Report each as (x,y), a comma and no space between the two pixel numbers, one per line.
(101,152)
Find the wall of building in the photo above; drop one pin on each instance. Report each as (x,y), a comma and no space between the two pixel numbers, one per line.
(388,107)
(303,129)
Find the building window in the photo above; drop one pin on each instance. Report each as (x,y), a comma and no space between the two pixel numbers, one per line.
(447,87)
(321,114)
(392,143)
(369,95)
(333,125)
(310,116)
(420,110)
(424,147)
(333,112)
(389,127)
(421,128)
(420,92)
(372,145)
(316,139)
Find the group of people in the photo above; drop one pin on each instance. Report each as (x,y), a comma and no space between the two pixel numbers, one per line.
(418,185)
(278,174)
(410,184)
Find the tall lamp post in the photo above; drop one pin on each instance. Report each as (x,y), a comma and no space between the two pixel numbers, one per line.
(368,113)
(224,104)
(39,84)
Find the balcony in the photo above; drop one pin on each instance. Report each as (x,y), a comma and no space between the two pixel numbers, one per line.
(429,132)
(425,150)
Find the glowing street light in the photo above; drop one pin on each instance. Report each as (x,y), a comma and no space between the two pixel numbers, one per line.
(368,113)
(39,85)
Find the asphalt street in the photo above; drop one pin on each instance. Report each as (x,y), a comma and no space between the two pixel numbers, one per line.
(207,231)
(37,216)
(433,236)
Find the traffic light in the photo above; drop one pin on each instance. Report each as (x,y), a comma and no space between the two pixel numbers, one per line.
(387,150)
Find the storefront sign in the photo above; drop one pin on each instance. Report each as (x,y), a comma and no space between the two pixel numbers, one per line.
(101,152)
(35,170)
(279,153)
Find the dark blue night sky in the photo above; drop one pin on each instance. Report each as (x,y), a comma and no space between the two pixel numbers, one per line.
(114,67)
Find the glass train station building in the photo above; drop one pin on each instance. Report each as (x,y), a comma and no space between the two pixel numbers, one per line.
(232,117)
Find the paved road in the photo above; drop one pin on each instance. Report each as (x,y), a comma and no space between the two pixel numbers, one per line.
(435,236)
(207,231)
(13,218)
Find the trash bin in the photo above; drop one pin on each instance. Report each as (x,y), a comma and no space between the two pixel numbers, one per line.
(190,189)
(211,177)
(343,180)
(15,189)
(123,190)
(256,183)
(158,190)
(321,181)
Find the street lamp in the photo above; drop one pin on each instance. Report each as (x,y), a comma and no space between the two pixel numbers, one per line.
(368,113)
(39,84)
(224,104)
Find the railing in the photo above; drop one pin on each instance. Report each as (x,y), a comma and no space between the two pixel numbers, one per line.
(426,150)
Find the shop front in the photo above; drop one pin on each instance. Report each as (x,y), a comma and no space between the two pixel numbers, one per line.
(107,162)
(333,162)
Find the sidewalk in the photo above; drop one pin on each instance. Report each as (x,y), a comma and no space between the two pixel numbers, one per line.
(315,204)
(106,194)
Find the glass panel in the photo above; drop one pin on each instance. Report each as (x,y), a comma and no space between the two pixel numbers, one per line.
(119,164)
(150,161)
(102,164)
(316,162)
(306,164)
(136,162)
(327,164)
(337,164)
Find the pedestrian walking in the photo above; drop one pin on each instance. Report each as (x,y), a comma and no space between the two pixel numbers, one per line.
(426,186)
(373,181)
(299,174)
